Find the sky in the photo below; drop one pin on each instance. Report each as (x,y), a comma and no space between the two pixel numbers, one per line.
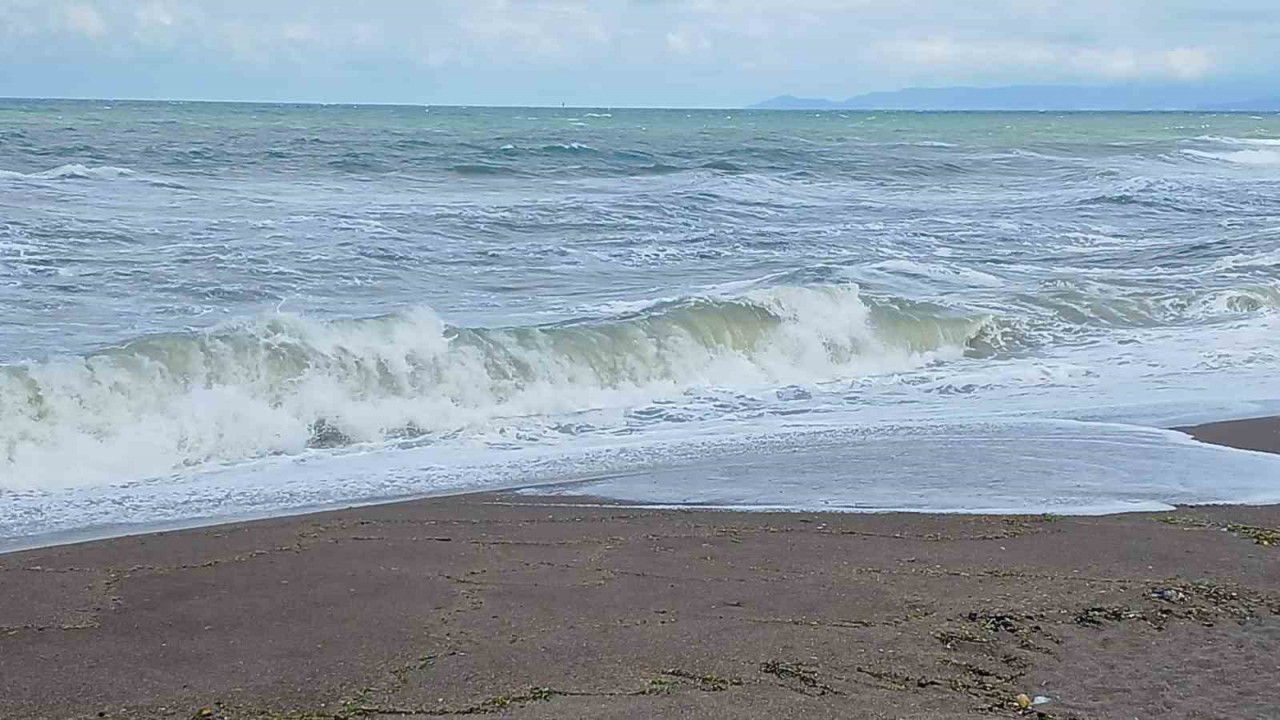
(669,53)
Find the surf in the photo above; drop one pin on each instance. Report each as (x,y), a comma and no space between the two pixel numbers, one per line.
(283,383)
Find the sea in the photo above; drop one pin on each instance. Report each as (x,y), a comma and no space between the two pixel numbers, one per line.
(221,311)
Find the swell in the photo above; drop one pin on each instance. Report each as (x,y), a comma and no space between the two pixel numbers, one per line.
(1259,156)
(283,384)
(1237,150)
(1080,304)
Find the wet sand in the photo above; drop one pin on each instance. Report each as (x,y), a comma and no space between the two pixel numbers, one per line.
(531,608)
(1260,434)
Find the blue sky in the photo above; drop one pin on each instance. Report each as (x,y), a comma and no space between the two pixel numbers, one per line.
(614,52)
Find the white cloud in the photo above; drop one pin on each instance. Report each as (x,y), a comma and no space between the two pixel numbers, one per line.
(946,52)
(533,29)
(439,57)
(1189,63)
(1089,62)
(686,41)
(1109,63)
(366,33)
(154,15)
(83,19)
(708,50)
(15,24)
(297,31)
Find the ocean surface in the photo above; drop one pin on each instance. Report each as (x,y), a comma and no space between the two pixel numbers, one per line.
(211,311)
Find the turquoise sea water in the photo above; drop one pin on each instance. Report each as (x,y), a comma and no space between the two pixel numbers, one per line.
(220,310)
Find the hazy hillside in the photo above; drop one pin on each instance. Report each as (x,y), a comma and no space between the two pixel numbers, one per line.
(1046,97)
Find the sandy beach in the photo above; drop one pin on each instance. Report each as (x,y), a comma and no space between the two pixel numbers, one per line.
(523,607)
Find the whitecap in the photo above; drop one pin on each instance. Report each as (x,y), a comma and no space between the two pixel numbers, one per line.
(281,383)
(1240,157)
(1240,141)
(71,171)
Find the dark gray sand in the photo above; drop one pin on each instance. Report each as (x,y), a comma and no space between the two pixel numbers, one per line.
(492,604)
(1262,434)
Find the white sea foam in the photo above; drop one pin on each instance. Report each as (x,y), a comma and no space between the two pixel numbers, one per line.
(939,271)
(72,171)
(283,383)
(1241,141)
(1079,468)
(1267,259)
(1241,157)
(931,468)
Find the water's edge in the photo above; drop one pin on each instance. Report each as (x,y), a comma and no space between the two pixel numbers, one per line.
(1236,435)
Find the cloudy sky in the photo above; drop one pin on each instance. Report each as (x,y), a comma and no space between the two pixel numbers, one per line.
(614,52)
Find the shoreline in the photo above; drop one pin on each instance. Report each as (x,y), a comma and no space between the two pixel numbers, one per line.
(533,607)
(1260,434)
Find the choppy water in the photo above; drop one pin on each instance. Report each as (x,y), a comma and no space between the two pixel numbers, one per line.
(222,310)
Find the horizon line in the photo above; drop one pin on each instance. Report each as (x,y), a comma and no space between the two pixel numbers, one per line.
(331,103)
(745,108)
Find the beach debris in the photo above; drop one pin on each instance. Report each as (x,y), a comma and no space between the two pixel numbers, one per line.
(1264,536)
(704,682)
(204,712)
(1099,615)
(801,678)
(1024,702)
(1200,602)
(1024,625)
(995,622)
(1041,700)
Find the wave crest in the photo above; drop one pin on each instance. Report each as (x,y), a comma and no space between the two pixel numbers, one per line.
(282,383)
(1240,157)
(72,171)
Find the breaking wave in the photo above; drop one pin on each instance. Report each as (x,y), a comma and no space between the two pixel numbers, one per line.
(1240,157)
(1085,305)
(281,384)
(73,171)
(1242,141)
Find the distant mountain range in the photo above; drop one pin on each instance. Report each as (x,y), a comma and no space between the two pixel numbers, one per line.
(1046,97)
